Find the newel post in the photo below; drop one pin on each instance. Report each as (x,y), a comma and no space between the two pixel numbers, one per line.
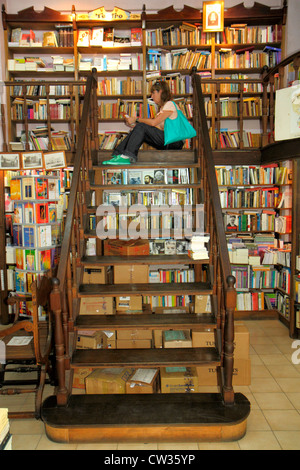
(56,307)
(228,393)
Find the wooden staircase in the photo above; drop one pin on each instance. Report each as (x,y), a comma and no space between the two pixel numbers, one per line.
(136,417)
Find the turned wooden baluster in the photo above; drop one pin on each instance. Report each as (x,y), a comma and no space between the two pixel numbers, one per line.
(228,393)
(56,308)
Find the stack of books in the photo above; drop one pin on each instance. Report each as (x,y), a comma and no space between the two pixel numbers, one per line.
(197,250)
(5,436)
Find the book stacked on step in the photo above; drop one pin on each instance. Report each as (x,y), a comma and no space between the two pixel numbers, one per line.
(5,436)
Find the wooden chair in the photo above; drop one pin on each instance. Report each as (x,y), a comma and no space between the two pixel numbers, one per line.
(34,356)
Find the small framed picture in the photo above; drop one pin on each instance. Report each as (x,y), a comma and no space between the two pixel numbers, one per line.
(213,16)
(32,160)
(9,161)
(54,160)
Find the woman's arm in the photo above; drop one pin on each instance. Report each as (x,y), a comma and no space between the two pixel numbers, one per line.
(130,121)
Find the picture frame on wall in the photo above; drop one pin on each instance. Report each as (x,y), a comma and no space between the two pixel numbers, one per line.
(9,161)
(54,160)
(213,16)
(32,160)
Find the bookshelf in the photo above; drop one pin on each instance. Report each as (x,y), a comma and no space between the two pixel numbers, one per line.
(257,210)
(35,198)
(129,51)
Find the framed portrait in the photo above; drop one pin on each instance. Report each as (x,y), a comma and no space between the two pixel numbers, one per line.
(54,160)
(32,160)
(213,16)
(9,161)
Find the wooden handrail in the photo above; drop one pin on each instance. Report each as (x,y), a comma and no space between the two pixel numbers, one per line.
(288,60)
(65,247)
(214,189)
(223,279)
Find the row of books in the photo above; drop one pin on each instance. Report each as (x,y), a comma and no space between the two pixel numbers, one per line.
(148,176)
(38,139)
(41,90)
(255,277)
(146,221)
(119,86)
(233,139)
(178,84)
(179,59)
(246,175)
(109,37)
(248,59)
(29,259)
(5,436)
(251,106)
(249,197)
(283,304)
(251,301)
(167,300)
(247,221)
(110,140)
(34,187)
(283,257)
(243,34)
(36,236)
(58,109)
(62,37)
(47,259)
(104,63)
(117,109)
(192,34)
(184,274)
(184,196)
(39,64)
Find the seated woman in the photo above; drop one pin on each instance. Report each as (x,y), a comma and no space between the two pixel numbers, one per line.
(148,130)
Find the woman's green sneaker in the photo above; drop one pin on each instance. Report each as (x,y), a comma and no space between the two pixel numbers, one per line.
(118,160)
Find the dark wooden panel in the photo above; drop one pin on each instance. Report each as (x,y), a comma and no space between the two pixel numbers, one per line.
(147,321)
(184,288)
(151,259)
(192,408)
(144,357)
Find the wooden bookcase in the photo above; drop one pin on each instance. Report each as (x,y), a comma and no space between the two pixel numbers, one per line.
(169,33)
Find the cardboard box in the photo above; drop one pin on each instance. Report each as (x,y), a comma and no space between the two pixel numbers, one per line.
(105,381)
(97,306)
(206,338)
(143,381)
(95,275)
(134,334)
(179,380)
(208,375)
(129,304)
(202,304)
(134,343)
(89,340)
(96,340)
(131,274)
(177,339)
(126,247)
(79,377)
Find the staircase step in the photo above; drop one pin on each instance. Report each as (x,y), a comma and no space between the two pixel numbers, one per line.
(159,357)
(165,157)
(170,417)
(141,259)
(113,290)
(145,321)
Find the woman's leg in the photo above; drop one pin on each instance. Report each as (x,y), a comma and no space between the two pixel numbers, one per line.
(143,133)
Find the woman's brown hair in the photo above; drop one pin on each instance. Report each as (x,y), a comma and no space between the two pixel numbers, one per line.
(166,93)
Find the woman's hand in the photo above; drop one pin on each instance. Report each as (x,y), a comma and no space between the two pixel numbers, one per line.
(129,121)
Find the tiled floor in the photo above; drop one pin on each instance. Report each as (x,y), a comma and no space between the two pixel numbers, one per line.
(274,393)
